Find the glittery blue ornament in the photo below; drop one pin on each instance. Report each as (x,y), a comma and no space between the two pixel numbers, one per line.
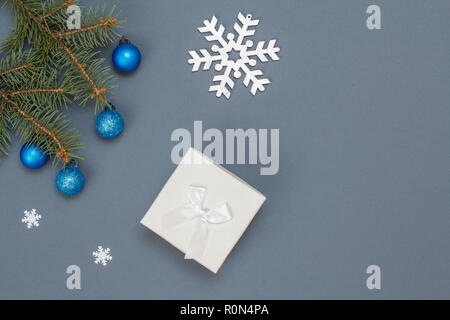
(70,180)
(126,56)
(109,123)
(32,156)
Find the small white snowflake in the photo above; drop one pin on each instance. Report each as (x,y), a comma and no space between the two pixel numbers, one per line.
(31,218)
(102,256)
(222,55)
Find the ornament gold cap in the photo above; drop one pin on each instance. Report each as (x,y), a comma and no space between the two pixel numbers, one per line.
(123,40)
(73,163)
(110,106)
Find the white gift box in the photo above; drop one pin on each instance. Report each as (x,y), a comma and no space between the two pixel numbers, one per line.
(203,210)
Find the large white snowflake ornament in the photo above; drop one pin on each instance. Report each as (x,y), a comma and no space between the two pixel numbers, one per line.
(102,255)
(222,55)
(31,218)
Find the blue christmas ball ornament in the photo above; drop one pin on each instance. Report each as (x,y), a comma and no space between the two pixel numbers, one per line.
(126,56)
(32,156)
(70,180)
(109,123)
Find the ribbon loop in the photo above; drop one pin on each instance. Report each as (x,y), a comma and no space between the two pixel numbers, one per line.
(195,210)
(220,214)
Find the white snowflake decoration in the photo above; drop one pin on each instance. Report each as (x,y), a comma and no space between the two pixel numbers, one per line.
(102,256)
(221,55)
(31,218)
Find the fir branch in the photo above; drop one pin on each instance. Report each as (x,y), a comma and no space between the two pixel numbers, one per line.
(103,23)
(58,90)
(33,86)
(57,9)
(63,152)
(26,65)
(5,138)
(16,70)
(95,34)
(2,109)
(98,92)
(58,64)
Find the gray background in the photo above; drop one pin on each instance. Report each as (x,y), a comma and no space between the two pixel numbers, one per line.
(364,161)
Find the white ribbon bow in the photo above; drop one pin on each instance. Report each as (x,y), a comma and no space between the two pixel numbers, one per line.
(195,210)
